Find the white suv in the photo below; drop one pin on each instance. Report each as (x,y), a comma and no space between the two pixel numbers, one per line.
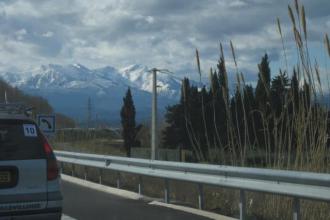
(29,174)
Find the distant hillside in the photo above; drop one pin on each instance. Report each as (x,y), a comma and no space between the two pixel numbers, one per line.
(40,104)
(68,87)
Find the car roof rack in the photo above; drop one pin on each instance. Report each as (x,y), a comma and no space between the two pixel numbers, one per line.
(15,109)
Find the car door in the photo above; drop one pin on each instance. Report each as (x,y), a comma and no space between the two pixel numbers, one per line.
(23,167)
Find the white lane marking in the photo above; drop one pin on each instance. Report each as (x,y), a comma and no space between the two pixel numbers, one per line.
(102,188)
(206,214)
(65,217)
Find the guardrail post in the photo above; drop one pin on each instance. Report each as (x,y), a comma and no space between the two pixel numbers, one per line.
(100,176)
(167,191)
(61,167)
(200,196)
(296,209)
(72,169)
(242,205)
(118,180)
(85,172)
(140,185)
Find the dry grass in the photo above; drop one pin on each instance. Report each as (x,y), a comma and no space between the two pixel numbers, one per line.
(102,146)
(306,126)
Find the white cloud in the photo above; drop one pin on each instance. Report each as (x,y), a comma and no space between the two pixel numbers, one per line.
(150,19)
(20,34)
(47,34)
(328,24)
(154,33)
(16,55)
(20,8)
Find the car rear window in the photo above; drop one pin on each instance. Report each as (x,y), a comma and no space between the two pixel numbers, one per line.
(20,140)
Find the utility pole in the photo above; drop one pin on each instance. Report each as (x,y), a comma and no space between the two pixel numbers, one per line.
(154,115)
(154,140)
(89,112)
(6,99)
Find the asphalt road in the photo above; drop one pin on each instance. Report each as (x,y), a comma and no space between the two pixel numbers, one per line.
(83,203)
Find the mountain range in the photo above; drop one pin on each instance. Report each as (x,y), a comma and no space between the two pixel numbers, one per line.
(68,88)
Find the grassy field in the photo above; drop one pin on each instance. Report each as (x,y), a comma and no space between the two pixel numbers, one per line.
(96,146)
(97,141)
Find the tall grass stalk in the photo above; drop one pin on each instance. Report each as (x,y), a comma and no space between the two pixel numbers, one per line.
(203,106)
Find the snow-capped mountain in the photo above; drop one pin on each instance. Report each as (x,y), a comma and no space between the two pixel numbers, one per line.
(68,87)
(168,85)
(77,76)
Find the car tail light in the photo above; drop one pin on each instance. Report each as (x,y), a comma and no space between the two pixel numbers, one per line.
(52,168)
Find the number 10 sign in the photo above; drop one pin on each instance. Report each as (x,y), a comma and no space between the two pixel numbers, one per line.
(30,130)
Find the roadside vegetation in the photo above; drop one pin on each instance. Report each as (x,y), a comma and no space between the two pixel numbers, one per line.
(96,141)
(281,123)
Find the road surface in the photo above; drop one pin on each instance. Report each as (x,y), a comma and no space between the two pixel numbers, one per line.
(83,203)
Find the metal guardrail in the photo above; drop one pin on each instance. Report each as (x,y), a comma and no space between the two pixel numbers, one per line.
(298,185)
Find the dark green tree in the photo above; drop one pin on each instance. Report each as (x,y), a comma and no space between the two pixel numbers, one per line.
(127,114)
(236,109)
(223,78)
(262,97)
(295,91)
(175,134)
(207,129)
(263,85)
(214,117)
(279,92)
(223,101)
(280,107)
(306,96)
(250,107)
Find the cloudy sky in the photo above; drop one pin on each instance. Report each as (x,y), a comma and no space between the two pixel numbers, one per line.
(156,33)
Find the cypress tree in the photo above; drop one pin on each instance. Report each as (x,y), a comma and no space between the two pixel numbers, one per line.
(127,114)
